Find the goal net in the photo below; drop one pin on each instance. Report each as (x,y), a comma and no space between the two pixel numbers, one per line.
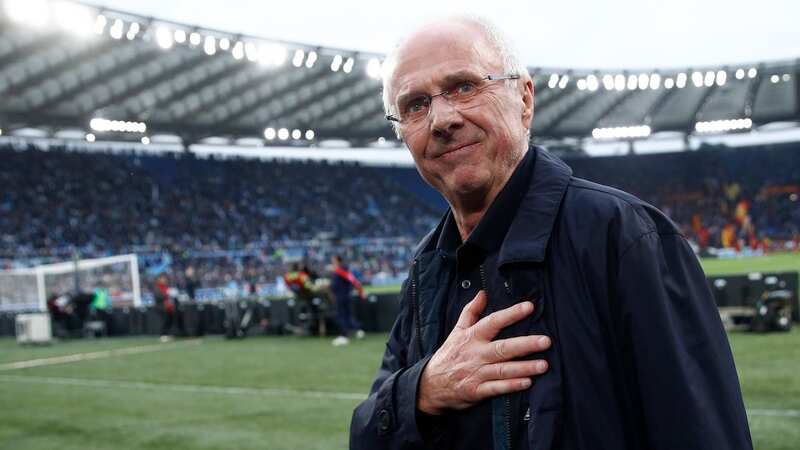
(28,289)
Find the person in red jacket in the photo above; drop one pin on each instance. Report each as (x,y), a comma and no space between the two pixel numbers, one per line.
(343,282)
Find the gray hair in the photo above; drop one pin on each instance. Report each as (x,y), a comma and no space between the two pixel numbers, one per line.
(504,47)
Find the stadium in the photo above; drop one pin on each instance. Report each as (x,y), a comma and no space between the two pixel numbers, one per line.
(149,165)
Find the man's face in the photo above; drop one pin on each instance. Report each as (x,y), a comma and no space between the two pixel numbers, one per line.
(461,152)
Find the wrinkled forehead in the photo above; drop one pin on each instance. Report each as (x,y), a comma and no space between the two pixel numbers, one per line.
(428,57)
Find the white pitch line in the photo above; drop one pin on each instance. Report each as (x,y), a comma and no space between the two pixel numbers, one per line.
(78,357)
(249,392)
(187,388)
(774,412)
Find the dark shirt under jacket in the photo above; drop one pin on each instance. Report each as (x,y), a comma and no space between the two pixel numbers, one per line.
(471,428)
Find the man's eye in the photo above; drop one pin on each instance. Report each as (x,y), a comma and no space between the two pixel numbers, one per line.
(466,87)
(417,105)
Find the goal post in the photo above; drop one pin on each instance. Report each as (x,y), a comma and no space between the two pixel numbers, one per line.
(29,288)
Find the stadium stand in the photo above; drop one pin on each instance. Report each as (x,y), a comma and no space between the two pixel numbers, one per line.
(229,217)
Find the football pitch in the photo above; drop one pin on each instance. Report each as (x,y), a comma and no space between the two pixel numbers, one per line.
(267,392)
(281,392)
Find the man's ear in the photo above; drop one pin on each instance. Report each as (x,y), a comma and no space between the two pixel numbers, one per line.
(527,101)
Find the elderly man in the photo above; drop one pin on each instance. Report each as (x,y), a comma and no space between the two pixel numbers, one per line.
(544,311)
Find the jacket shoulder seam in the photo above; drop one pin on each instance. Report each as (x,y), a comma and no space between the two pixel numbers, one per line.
(641,237)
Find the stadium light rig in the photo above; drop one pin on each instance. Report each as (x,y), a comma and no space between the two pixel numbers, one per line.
(119,126)
(639,131)
(721,126)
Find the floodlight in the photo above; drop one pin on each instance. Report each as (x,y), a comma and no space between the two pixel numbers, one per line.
(73,17)
(299,55)
(708,81)
(195,38)
(224,44)
(133,30)
(283,134)
(145,140)
(608,82)
(348,65)
(238,50)
(311,59)
(116,29)
(680,82)
(30,12)
(722,77)
(164,37)
(619,82)
(210,45)
(251,51)
(180,36)
(310,135)
(633,81)
(374,68)
(90,137)
(100,24)
(336,63)
(269,134)
(655,81)
(591,83)
(297,134)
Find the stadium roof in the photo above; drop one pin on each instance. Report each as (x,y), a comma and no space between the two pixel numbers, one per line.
(69,66)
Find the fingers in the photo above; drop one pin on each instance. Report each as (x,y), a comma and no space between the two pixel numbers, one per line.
(513,369)
(500,387)
(511,348)
(489,326)
(472,312)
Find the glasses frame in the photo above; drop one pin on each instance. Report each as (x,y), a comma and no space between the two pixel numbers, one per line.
(394,118)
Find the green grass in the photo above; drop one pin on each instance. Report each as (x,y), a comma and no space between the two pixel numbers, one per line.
(171,399)
(783,262)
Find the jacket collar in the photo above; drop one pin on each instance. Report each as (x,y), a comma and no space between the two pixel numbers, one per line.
(530,230)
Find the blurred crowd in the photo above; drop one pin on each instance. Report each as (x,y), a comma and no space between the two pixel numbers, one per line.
(719,197)
(240,221)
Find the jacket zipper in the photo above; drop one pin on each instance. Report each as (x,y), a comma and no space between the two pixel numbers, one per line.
(507,397)
(415,306)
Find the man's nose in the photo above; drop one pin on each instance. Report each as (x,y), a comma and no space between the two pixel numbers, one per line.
(444,117)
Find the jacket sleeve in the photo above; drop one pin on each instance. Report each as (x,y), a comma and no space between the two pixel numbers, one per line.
(387,418)
(678,353)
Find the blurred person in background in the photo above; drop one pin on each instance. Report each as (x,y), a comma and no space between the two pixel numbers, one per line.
(343,283)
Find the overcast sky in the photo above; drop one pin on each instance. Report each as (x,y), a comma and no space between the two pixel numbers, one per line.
(558,33)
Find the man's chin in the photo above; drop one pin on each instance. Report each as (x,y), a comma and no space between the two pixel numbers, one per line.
(468,186)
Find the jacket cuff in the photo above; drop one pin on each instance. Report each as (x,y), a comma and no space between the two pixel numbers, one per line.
(402,420)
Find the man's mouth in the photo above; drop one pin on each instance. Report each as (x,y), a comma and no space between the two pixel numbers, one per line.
(457,149)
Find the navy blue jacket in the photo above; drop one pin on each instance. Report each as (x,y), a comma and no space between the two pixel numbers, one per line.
(639,358)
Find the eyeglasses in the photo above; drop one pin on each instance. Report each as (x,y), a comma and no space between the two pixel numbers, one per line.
(463,95)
